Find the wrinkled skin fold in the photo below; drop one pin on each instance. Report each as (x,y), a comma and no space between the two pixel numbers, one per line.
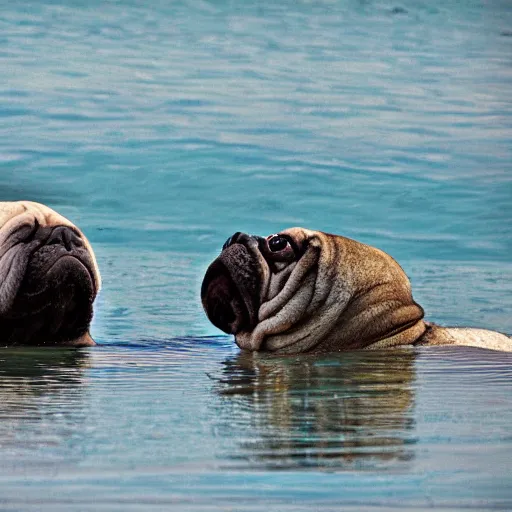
(302,291)
(49,277)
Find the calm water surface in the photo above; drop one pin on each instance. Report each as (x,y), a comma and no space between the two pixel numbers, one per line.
(163,127)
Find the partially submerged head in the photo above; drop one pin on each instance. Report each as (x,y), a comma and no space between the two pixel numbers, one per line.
(302,290)
(48,277)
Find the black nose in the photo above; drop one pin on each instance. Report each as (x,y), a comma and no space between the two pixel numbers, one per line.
(65,236)
(231,240)
(221,300)
(241,238)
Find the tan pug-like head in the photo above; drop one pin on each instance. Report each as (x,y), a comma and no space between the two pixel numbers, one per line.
(302,290)
(48,277)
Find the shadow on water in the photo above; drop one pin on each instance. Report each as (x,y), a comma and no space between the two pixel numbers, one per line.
(352,411)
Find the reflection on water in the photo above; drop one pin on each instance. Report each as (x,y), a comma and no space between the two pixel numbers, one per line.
(191,423)
(41,401)
(353,411)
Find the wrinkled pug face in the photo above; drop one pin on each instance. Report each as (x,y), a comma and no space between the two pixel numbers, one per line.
(48,277)
(302,290)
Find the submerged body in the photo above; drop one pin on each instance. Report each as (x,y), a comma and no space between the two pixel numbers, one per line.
(302,290)
(470,337)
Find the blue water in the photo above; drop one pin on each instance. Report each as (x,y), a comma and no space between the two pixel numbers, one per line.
(160,128)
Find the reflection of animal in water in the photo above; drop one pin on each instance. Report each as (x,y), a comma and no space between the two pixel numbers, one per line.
(48,277)
(342,412)
(38,387)
(303,291)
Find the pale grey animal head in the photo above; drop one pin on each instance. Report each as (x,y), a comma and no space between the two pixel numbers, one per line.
(49,277)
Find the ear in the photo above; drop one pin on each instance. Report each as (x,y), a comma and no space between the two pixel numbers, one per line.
(13,265)
(14,257)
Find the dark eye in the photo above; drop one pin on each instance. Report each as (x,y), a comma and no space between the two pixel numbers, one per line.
(277,243)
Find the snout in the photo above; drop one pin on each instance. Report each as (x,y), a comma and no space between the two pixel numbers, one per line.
(230,292)
(222,301)
(61,243)
(66,237)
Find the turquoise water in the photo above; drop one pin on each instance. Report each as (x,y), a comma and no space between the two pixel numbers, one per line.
(160,128)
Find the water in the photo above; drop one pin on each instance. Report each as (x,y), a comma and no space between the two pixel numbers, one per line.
(162,128)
